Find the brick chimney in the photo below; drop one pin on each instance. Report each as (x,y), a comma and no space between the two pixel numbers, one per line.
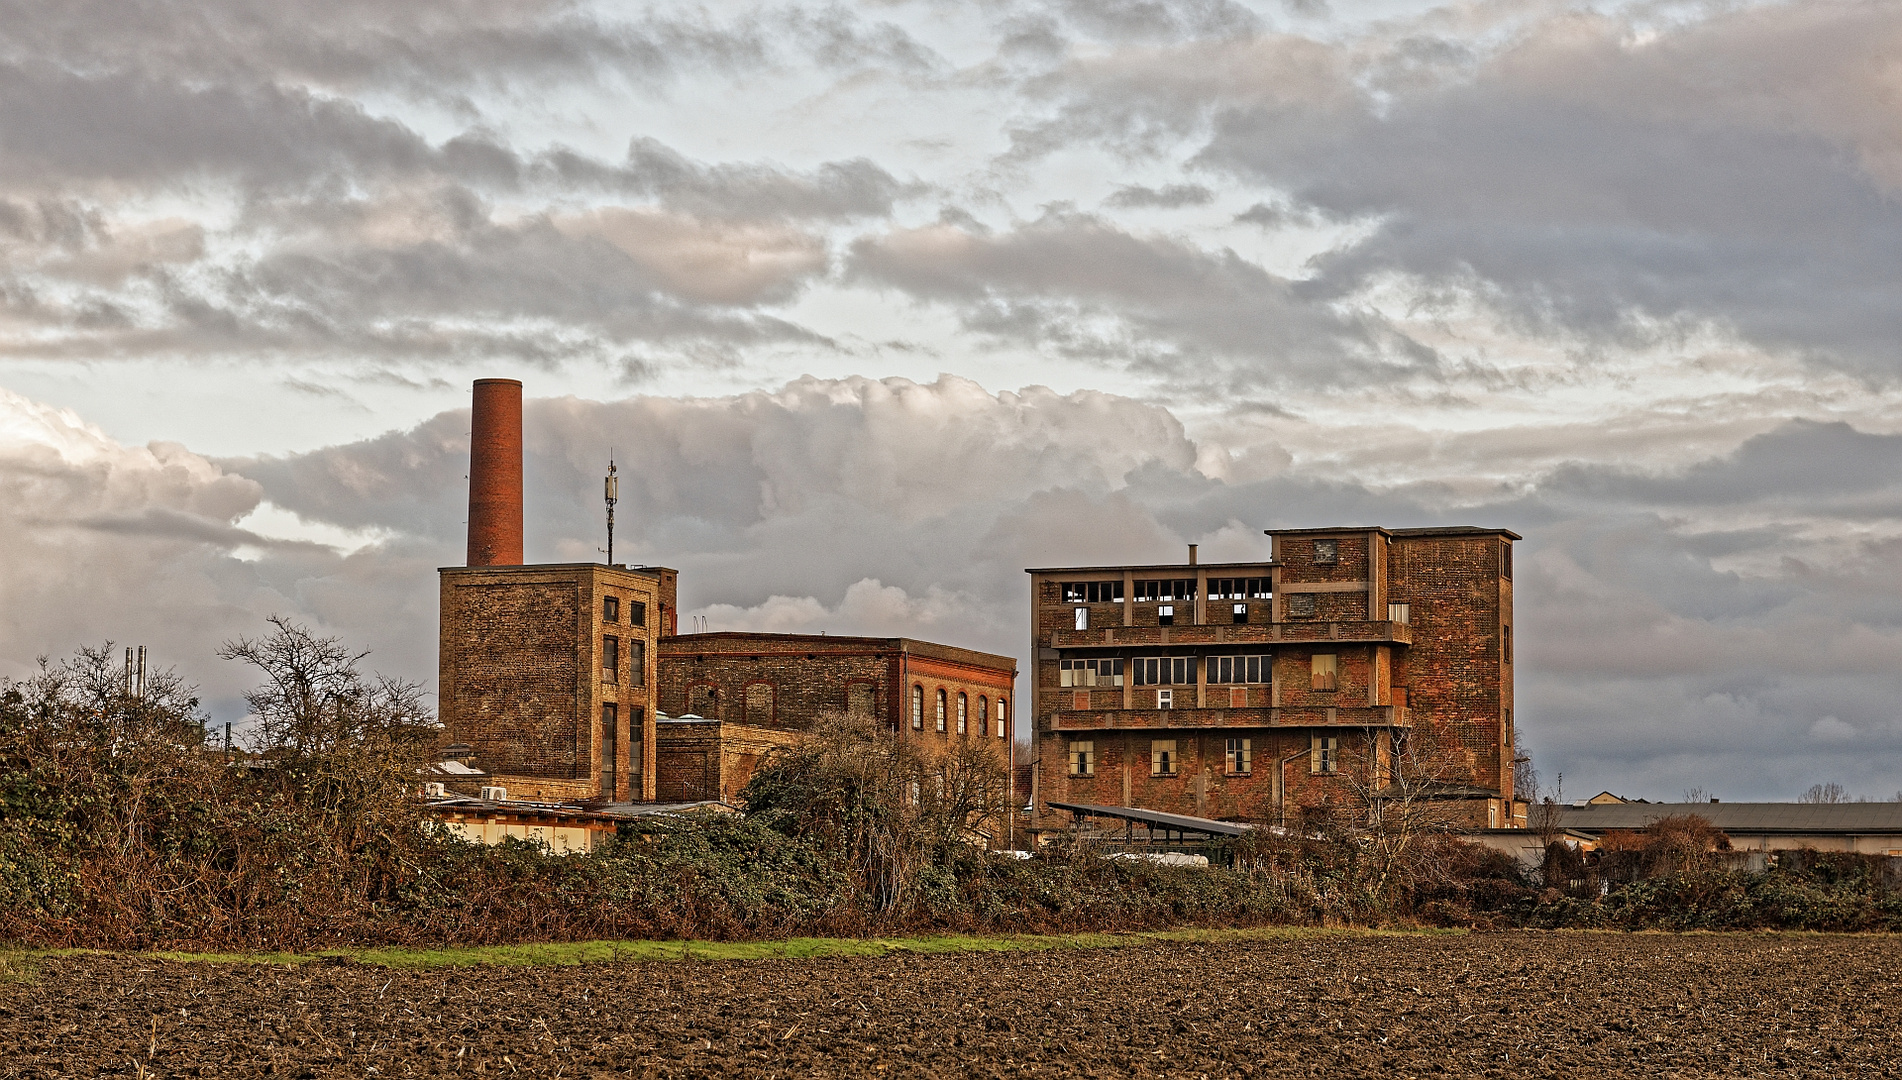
(495,474)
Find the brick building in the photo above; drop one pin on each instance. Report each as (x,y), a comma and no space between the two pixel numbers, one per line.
(1248,690)
(548,674)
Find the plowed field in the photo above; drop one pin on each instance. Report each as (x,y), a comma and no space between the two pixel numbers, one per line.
(1507,1005)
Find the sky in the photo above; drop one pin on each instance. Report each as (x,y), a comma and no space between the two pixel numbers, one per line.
(876,304)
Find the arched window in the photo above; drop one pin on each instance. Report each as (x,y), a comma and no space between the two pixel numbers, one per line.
(983,713)
(963,705)
(1003,716)
(917,708)
(941,710)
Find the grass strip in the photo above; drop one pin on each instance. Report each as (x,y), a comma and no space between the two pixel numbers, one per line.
(594,952)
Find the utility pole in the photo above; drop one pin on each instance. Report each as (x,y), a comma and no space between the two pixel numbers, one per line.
(612,488)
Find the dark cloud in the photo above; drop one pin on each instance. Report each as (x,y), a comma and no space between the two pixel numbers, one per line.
(1170,197)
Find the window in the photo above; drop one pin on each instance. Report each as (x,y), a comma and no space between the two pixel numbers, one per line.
(1165,699)
(610,609)
(1506,728)
(983,713)
(1162,757)
(1003,716)
(1505,559)
(940,710)
(963,720)
(1400,613)
(917,708)
(1240,758)
(1301,606)
(1082,618)
(1325,755)
(636,662)
(1166,615)
(1325,671)
(1107,671)
(636,613)
(1092,592)
(1082,758)
(1239,669)
(1241,614)
(610,659)
(1327,552)
(1164,670)
(1174,589)
(610,741)
(1506,641)
(1235,588)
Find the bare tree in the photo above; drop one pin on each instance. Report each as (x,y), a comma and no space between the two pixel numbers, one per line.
(1825,793)
(1407,791)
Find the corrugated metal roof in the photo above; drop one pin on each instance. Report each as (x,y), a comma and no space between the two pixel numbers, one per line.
(1156,818)
(1870,817)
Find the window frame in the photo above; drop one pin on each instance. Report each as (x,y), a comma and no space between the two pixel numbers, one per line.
(1164,760)
(611,609)
(917,706)
(941,710)
(1081,755)
(964,707)
(610,659)
(1238,757)
(1325,755)
(1328,672)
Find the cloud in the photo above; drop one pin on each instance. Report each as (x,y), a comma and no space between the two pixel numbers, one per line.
(1170,197)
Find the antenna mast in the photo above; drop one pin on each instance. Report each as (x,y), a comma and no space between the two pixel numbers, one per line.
(612,490)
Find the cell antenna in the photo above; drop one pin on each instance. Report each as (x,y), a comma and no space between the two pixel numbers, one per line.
(611,492)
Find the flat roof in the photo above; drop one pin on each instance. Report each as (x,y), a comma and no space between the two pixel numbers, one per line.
(763,642)
(644,571)
(1449,530)
(1264,563)
(1869,817)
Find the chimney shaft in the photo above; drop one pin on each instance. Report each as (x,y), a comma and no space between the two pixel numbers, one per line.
(495,474)
(1192,554)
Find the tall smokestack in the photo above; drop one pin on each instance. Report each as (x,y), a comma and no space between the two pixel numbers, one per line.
(495,474)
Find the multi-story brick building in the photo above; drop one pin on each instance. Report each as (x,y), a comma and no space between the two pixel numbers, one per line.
(1247,690)
(785,682)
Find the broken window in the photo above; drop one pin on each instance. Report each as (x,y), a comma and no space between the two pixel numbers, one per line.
(1166,615)
(1254,588)
(1327,552)
(610,659)
(1239,760)
(610,609)
(1241,614)
(1082,618)
(1092,592)
(1301,606)
(1325,671)
(1162,757)
(1325,755)
(1165,590)
(1082,758)
(1106,671)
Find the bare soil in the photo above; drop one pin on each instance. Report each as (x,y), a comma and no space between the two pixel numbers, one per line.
(1507,1005)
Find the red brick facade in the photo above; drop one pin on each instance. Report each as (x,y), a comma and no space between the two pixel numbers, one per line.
(1288,680)
(525,678)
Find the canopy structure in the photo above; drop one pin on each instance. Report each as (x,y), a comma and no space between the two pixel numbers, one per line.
(1158,828)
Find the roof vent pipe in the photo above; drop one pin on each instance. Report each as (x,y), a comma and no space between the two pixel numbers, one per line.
(1192,554)
(495,474)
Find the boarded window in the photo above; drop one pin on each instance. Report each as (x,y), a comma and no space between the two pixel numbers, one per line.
(917,708)
(1082,758)
(759,703)
(1325,755)
(610,659)
(610,609)
(1162,757)
(941,710)
(1105,671)
(1301,606)
(963,722)
(1239,759)
(1327,552)
(1325,669)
